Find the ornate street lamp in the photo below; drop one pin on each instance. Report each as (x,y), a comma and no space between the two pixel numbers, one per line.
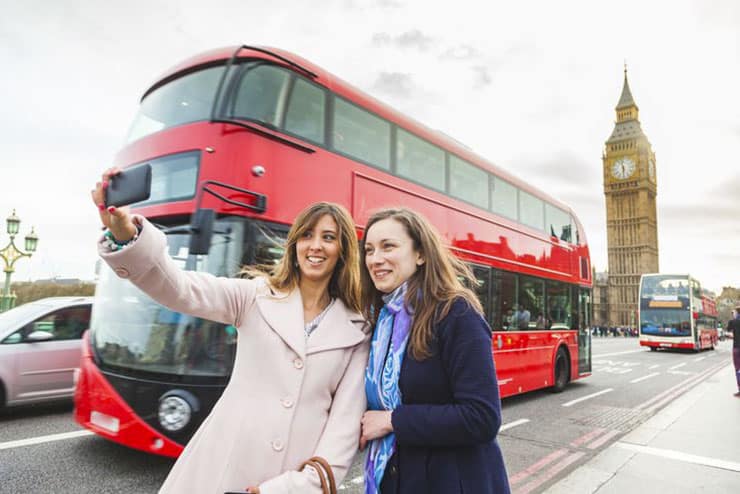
(10,253)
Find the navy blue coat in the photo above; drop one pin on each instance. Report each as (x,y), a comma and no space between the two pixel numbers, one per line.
(446,427)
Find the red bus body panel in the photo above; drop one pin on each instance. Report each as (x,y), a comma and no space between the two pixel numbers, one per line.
(524,359)
(93,393)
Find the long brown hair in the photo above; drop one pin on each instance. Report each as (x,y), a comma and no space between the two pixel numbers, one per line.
(345,281)
(432,289)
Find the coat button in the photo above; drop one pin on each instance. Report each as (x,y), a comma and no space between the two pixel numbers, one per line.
(277,445)
(122,272)
(287,402)
(298,363)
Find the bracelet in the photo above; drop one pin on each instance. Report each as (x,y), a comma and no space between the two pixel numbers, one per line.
(115,245)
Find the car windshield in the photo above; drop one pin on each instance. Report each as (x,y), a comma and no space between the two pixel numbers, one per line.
(130,331)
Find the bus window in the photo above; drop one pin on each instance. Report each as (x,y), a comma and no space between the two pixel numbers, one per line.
(468,182)
(482,288)
(184,100)
(531,300)
(504,199)
(531,210)
(559,308)
(557,223)
(503,299)
(306,111)
(420,161)
(361,134)
(261,93)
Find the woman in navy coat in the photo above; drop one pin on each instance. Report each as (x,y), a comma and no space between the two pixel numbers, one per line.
(434,408)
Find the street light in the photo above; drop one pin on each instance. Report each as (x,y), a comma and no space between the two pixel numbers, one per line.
(10,253)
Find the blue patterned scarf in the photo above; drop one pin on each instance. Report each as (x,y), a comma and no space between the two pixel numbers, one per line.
(381,378)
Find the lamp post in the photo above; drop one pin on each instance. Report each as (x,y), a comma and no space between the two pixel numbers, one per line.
(10,253)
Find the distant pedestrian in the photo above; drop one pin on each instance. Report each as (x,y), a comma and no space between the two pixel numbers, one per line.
(734,327)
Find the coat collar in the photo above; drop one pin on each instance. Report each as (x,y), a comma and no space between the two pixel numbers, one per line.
(340,327)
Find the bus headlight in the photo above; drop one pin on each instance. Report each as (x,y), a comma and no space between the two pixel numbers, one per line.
(176,408)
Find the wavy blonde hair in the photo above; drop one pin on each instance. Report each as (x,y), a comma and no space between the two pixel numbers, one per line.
(345,281)
(432,289)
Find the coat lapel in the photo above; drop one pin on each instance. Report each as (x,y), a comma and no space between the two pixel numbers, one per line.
(340,328)
(284,314)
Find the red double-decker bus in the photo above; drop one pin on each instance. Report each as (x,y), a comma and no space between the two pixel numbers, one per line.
(241,139)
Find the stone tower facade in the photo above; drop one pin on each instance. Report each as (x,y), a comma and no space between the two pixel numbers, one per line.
(630,189)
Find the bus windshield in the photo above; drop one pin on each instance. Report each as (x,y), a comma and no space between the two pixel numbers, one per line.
(184,100)
(130,331)
(665,322)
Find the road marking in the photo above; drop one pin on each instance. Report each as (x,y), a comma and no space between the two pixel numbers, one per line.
(682,373)
(685,457)
(535,467)
(676,390)
(602,439)
(44,439)
(587,437)
(699,359)
(676,366)
(588,397)
(644,377)
(554,470)
(513,424)
(653,366)
(617,353)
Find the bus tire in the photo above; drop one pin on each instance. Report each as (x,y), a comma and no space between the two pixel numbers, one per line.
(2,395)
(653,349)
(561,371)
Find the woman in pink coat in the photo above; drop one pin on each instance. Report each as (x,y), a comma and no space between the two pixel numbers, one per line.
(297,387)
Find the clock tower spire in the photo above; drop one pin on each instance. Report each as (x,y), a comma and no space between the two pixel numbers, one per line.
(630,190)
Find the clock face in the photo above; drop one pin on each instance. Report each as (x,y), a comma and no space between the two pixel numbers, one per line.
(651,169)
(623,168)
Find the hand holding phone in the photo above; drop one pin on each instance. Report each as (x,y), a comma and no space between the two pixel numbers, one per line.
(117,220)
(129,186)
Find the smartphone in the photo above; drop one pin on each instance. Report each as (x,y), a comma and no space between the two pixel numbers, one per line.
(130,186)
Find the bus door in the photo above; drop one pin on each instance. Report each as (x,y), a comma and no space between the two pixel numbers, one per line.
(584,333)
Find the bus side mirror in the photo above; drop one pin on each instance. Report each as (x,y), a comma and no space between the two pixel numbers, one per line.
(201,227)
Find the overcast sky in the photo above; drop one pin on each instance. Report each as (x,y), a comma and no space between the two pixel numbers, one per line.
(530,85)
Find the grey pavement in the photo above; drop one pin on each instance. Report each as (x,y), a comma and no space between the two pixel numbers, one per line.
(692,445)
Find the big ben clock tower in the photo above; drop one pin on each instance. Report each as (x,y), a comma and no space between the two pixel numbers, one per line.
(631,217)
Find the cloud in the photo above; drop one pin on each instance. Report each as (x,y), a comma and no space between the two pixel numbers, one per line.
(391,4)
(460,52)
(481,76)
(394,83)
(409,39)
(561,167)
(701,214)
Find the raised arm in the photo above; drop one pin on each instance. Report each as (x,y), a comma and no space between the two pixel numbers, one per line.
(147,265)
(474,416)
(338,443)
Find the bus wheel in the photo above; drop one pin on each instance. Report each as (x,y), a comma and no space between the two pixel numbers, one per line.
(653,349)
(2,396)
(561,371)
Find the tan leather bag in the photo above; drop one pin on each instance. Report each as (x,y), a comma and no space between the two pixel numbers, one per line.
(326,476)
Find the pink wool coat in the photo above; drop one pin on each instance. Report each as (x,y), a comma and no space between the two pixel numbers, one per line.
(289,397)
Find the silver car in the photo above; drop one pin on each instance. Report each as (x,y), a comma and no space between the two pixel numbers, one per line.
(40,349)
